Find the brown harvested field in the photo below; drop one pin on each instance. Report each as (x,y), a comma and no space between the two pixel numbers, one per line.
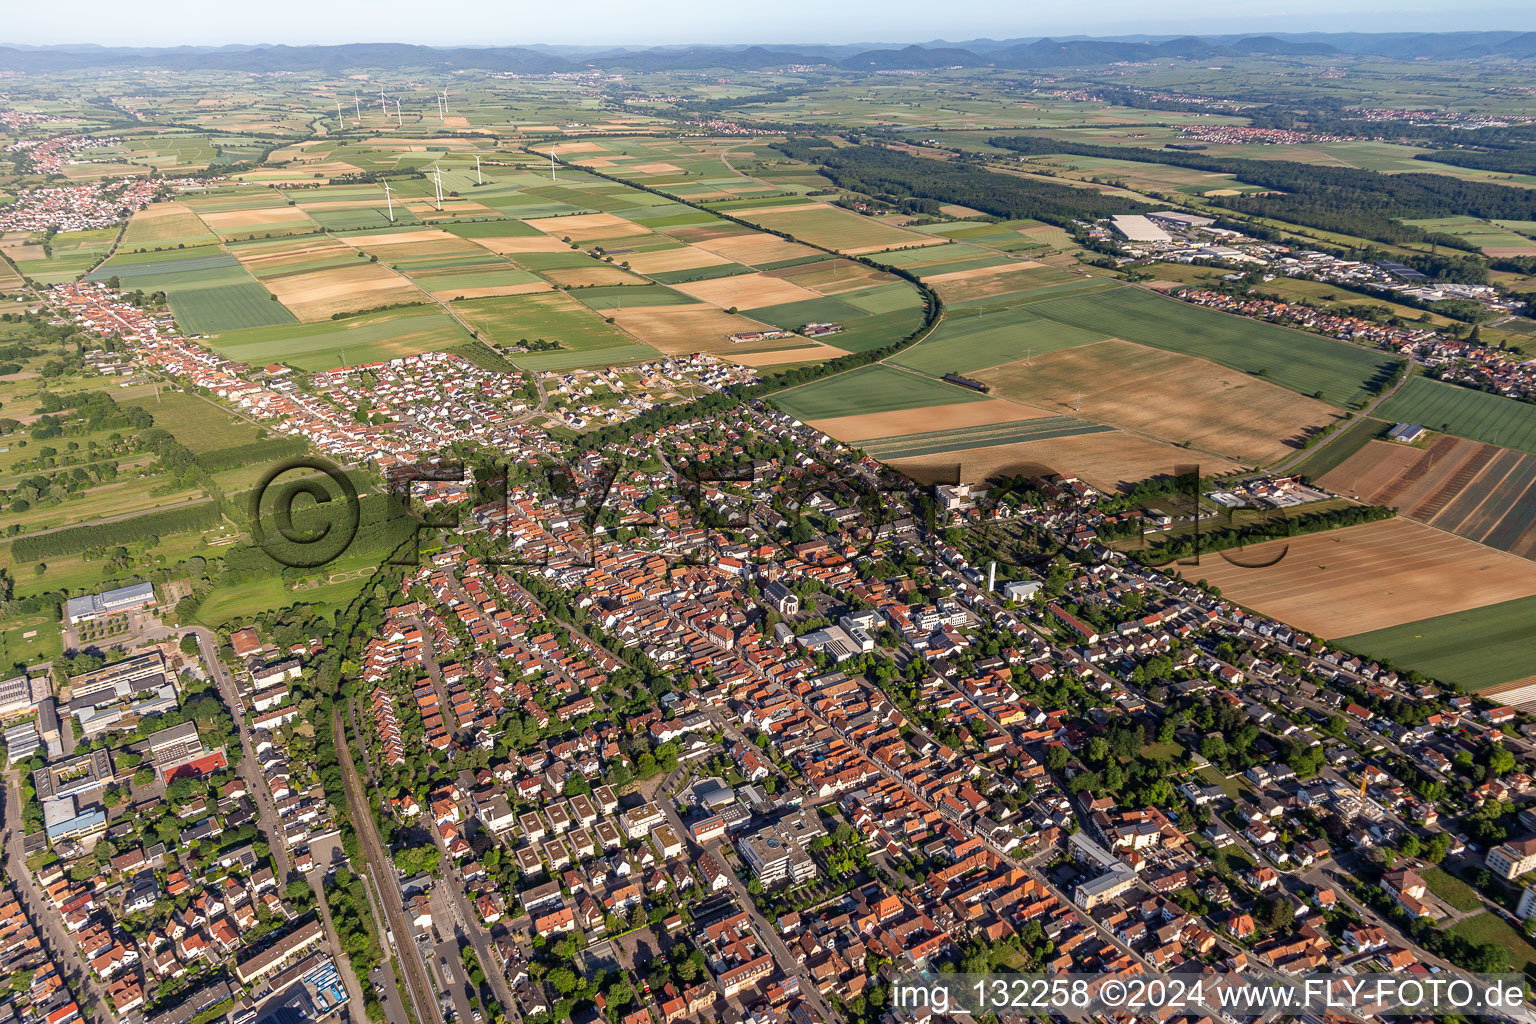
(1361,578)
(453,209)
(983,282)
(813,352)
(832,277)
(1474,490)
(582,226)
(1178,398)
(402,237)
(490,292)
(297,252)
(746,291)
(934,417)
(297,172)
(750,247)
(658,168)
(231,222)
(520,243)
(597,273)
(675,329)
(1109,460)
(582,147)
(315,296)
(164,221)
(686,257)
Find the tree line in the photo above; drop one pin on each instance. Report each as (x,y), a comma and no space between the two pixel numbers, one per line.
(895,177)
(1343,199)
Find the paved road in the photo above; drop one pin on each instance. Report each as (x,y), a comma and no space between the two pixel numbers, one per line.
(271,824)
(468,924)
(1288,463)
(58,943)
(767,930)
(384,873)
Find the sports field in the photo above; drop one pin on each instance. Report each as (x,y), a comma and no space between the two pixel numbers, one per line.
(1475,414)
(1477,648)
(1191,402)
(1332,370)
(1368,577)
(877,388)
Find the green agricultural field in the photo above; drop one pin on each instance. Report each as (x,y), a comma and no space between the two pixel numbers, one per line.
(372,337)
(152,226)
(877,388)
(962,344)
(1454,410)
(209,291)
(1478,648)
(631,296)
(1355,436)
(832,228)
(586,339)
(493,229)
(229,307)
(1334,371)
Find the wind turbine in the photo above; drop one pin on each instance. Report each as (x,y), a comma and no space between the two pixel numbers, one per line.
(340,120)
(357,105)
(437,175)
(398,122)
(551,163)
(478,180)
(391,203)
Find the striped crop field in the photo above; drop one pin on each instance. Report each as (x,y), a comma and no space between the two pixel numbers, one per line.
(933,442)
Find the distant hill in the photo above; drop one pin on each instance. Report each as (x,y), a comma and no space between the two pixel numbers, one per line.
(539,59)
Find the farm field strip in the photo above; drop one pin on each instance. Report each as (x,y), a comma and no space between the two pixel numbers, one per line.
(1042,428)
(1473,490)
(1476,648)
(1308,364)
(1493,419)
(1368,577)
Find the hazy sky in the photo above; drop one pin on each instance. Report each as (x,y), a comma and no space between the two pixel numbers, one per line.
(511,22)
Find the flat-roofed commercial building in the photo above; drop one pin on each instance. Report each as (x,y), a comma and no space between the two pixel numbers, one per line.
(111,602)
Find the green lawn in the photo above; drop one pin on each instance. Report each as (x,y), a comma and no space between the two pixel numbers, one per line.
(18,649)
(1488,927)
(1333,370)
(876,388)
(197,422)
(1452,889)
(1477,648)
(1474,414)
